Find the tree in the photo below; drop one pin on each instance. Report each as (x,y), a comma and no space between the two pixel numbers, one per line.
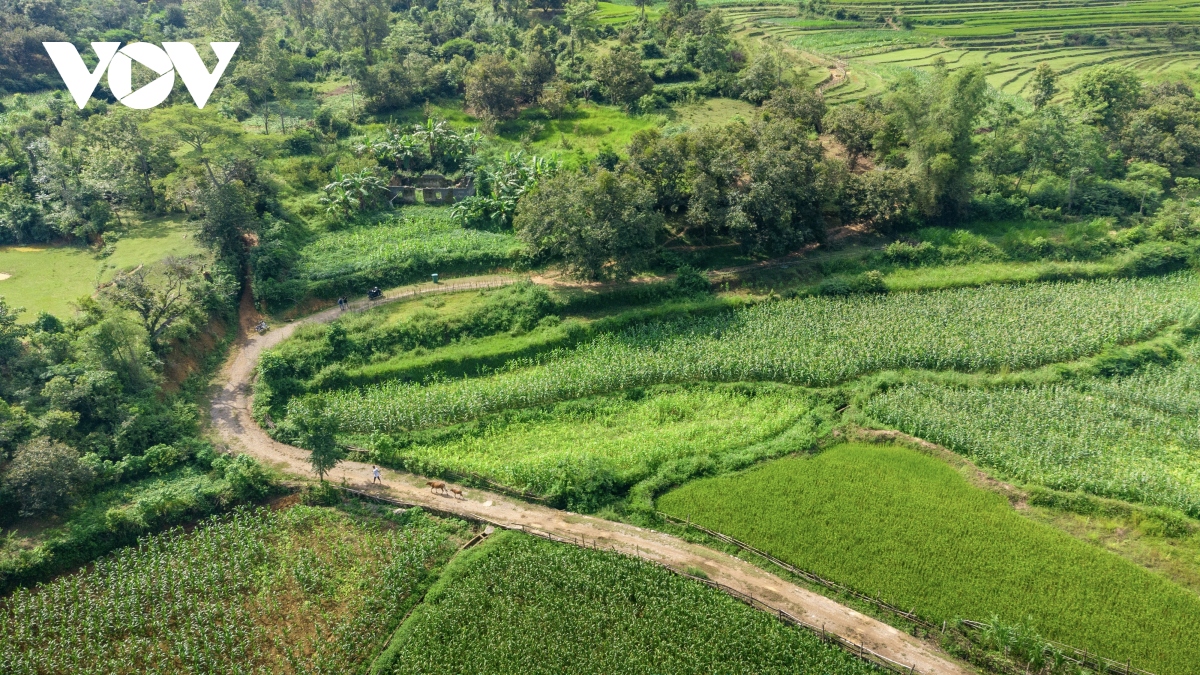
(1044,85)
(316,429)
(353,192)
(161,300)
(492,87)
(620,73)
(1147,181)
(854,127)
(601,225)
(228,217)
(209,140)
(1107,94)
(46,476)
(760,78)
(938,118)
(806,106)
(359,25)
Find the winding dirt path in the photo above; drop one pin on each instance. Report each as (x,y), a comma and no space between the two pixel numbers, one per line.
(232,420)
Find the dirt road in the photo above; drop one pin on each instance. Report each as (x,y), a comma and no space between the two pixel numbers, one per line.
(231,419)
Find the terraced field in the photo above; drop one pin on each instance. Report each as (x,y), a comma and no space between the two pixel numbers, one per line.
(1157,38)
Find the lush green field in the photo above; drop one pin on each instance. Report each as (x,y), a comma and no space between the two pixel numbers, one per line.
(399,250)
(1133,438)
(1010,40)
(518,604)
(908,528)
(46,278)
(808,341)
(300,590)
(578,451)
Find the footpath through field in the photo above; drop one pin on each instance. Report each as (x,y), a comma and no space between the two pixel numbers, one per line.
(232,420)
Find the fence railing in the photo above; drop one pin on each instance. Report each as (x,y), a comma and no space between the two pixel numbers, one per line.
(1081,657)
(443,286)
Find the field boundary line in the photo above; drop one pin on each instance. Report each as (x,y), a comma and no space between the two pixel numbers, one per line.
(858,649)
(1081,657)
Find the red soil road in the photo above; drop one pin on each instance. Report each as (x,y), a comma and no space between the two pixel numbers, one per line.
(232,420)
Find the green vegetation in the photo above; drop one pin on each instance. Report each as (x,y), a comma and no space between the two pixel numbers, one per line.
(519,602)
(582,452)
(907,528)
(43,278)
(299,590)
(811,341)
(399,251)
(1130,437)
(118,515)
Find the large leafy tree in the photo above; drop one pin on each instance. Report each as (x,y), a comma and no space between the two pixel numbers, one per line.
(938,117)
(600,225)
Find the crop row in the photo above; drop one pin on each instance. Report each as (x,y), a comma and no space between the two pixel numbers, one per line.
(1133,438)
(302,590)
(523,605)
(411,241)
(907,528)
(807,341)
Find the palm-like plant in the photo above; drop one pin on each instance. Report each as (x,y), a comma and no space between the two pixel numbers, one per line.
(352,192)
(499,188)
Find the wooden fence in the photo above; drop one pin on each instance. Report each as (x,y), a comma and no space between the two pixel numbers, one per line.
(443,286)
(1080,657)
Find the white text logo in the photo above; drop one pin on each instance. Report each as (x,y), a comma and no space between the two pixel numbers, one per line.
(171,58)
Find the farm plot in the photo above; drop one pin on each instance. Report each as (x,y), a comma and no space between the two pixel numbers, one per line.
(806,341)
(1133,438)
(578,452)
(911,530)
(301,590)
(518,604)
(399,250)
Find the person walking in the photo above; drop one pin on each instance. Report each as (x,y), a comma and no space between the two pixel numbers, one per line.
(375,475)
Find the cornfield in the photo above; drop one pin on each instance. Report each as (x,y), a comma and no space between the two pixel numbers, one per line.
(299,591)
(1134,438)
(809,341)
(523,605)
(404,243)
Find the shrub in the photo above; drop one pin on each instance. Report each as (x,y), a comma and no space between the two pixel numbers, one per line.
(46,476)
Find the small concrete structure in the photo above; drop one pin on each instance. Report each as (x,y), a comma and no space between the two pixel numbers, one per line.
(434,188)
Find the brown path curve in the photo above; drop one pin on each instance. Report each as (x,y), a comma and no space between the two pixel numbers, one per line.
(232,420)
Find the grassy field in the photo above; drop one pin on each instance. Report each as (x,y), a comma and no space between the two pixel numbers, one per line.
(49,278)
(518,604)
(299,590)
(908,528)
(580,451)
(813,341)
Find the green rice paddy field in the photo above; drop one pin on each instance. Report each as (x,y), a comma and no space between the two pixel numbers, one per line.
(911,530)
(1009,39)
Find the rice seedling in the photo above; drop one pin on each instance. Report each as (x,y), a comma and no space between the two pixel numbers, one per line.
(911,530)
